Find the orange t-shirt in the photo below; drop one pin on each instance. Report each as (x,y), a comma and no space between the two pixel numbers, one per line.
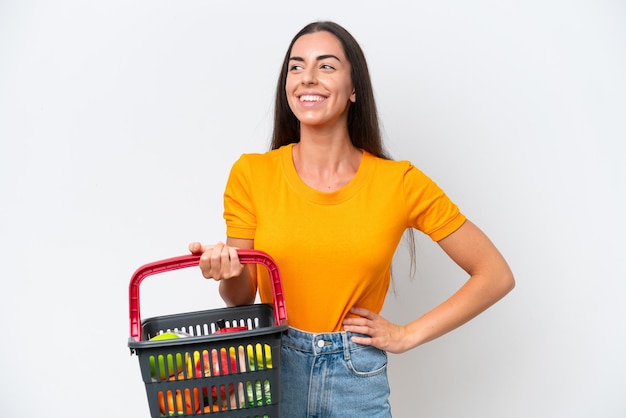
(333,250)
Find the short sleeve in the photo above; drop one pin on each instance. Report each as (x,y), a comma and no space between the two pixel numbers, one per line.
(239,212)
(429,209)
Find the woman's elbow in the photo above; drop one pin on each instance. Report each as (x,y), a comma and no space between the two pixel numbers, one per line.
(505,282)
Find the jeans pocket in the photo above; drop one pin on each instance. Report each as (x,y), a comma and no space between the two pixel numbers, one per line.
(367,361)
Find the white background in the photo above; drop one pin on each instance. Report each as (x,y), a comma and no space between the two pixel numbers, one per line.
(119,121)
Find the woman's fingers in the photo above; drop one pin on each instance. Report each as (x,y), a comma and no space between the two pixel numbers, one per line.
(218,261)
(195,248)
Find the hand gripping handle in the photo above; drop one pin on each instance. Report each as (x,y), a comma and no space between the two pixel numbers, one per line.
(192,260)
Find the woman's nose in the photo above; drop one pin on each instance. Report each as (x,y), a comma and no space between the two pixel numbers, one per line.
(309,76)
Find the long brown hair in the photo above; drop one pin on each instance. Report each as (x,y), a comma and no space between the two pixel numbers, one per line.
(363,126)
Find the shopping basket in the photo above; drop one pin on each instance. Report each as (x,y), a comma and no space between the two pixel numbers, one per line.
(220,362)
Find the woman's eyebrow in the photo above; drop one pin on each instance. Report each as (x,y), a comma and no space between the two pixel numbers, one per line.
(319,58)
(327,56)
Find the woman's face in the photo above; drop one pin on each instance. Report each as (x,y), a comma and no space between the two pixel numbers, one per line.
(319,86)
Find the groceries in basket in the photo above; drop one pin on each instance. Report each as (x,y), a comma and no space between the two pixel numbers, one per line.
(207,363)
(242,393)
(166,373)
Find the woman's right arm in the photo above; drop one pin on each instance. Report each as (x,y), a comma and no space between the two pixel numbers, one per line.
(221,262)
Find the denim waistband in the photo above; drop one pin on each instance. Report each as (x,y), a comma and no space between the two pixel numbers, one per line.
(320,343)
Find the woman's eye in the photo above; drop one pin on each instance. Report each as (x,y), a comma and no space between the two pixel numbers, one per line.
(327,67)
(295,67)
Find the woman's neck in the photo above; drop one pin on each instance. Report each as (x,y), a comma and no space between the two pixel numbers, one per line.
(326,163)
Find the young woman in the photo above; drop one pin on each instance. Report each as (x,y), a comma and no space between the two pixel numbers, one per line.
(330,207)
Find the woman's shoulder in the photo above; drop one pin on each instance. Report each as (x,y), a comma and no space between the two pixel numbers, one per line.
(260,159)
(390,165)
(271,155)
(390,171)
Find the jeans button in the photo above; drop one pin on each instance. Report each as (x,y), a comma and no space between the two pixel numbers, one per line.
(320,343)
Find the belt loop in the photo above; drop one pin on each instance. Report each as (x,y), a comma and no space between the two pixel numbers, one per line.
(346,345)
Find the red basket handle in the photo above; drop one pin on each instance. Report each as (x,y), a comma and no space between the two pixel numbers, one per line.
(192,260)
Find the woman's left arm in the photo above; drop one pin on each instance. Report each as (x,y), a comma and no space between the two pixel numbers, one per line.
(490,280)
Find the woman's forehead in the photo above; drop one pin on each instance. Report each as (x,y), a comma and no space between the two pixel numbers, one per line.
(318,43)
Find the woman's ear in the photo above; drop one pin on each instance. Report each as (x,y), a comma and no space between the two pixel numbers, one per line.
(353,96)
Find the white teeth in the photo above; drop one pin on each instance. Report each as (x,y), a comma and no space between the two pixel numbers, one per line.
(311,98)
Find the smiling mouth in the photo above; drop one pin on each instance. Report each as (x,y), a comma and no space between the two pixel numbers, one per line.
(312,98)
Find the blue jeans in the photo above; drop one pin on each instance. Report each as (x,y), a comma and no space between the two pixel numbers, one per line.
(327,375)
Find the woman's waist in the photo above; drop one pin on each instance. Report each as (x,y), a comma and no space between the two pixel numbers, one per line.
(319,342)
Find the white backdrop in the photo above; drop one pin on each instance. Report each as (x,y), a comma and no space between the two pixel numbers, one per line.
(119,121)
